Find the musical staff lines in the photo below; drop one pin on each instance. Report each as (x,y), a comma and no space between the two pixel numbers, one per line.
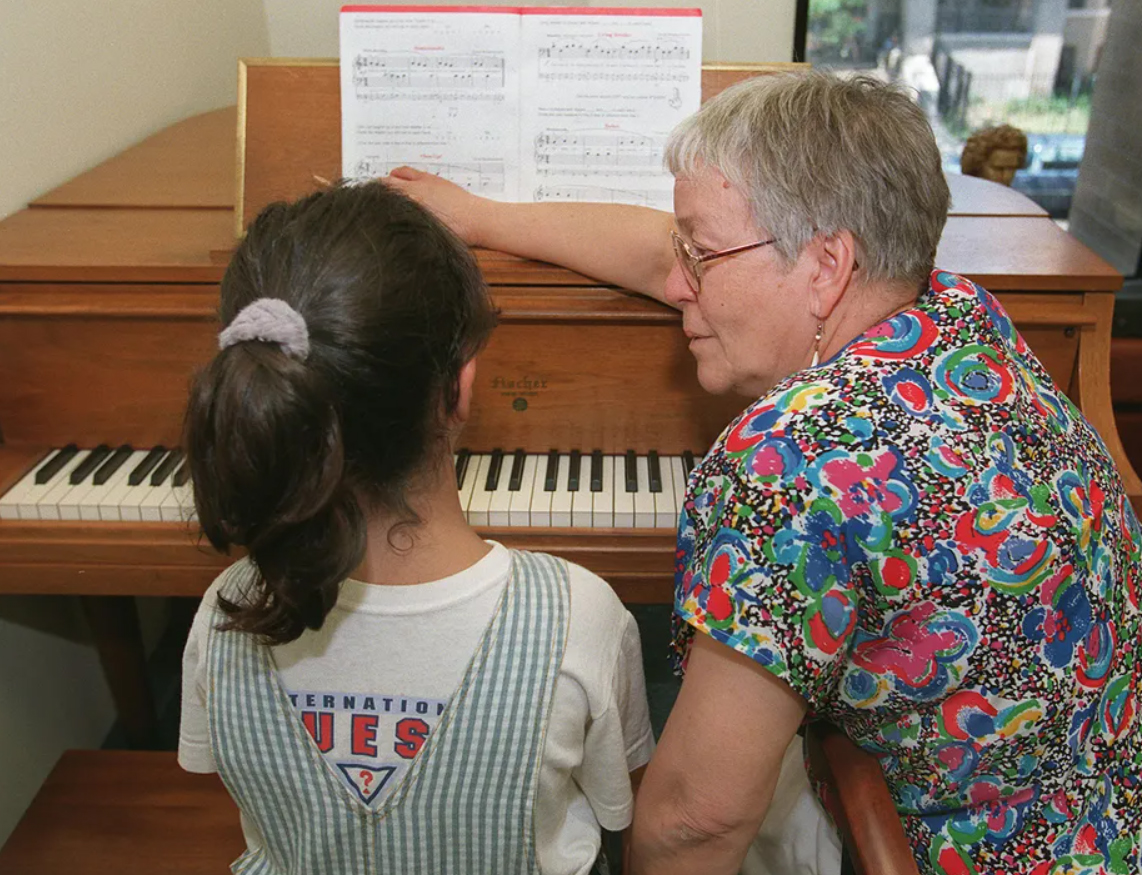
(480,177)
(597,194)
(572,50)
(415,71)
(599,152)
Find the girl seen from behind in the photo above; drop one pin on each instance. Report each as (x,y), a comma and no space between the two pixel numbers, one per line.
(380,689)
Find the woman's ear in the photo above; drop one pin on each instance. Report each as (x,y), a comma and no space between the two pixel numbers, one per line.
(467,383)
(834,260)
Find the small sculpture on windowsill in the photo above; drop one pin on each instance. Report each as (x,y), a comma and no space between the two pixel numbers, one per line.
(994,153)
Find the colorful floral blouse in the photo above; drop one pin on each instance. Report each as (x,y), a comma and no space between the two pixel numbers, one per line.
(927,540)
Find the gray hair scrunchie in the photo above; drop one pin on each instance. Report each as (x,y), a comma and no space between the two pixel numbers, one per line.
(271,320)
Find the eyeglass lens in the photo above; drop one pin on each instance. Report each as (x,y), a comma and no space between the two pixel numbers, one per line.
(687,263)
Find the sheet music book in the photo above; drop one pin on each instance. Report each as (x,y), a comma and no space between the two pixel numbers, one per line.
(520,104)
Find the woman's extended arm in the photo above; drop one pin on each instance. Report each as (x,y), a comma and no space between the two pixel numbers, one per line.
(624,245)
(709,784)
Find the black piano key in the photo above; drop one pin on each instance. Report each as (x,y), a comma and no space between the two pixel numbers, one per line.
(596,470)
(146,466)
(552,471)
(53,465)
(574,463)
(166,467)
(113,464)
(462,457)
(182,475)
(630,467)
(87,466)
(494,470)
(515,478)
(688,462)
(654,471)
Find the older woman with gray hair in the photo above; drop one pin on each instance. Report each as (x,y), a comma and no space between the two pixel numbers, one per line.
(909,532)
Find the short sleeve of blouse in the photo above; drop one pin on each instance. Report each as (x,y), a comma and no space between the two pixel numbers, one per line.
(765,554)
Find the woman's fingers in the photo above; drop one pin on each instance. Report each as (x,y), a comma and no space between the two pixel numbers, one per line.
(406,172)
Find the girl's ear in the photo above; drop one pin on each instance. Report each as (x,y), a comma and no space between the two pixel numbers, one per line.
(467,382)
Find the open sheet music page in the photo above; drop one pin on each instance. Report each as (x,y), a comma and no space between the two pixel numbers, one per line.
(520,104)
(433,87)
(602,88)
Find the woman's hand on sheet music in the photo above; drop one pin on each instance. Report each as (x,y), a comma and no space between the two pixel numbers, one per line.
(452,204)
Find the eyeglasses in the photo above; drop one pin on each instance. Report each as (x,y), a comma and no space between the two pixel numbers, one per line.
(691,264)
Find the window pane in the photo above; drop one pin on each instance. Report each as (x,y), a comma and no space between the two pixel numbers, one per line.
(978,63)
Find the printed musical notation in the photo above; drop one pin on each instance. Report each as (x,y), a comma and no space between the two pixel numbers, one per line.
(596,194)
(431,72)
(545,104)
(480,177)
(609,51)
(616,76)
(598,152)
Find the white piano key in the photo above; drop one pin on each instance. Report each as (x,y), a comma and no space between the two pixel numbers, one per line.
(469,484)
(519,511)
(500,503)
(119,493)
(603,502)
(678,471)
(481,497)
(150,507)
(131,508)
(30,500)
(177,504)
(644,507)
(666,501)
(624,501)
(561,498)
(89,507)
(48,507)
(582,502)
(27,491)
(540,511)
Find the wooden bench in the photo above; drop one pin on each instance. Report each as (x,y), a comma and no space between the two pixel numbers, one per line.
(112,812)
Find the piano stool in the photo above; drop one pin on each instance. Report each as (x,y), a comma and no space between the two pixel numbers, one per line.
(103,812)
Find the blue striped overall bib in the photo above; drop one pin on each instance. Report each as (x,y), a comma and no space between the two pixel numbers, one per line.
(465,806)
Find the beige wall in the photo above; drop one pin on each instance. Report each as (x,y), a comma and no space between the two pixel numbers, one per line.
(80,82)
(733,30)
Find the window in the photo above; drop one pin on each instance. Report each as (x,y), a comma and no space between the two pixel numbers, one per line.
(978,63)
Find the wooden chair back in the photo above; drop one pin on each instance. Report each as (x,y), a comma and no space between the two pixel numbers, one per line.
(858,799)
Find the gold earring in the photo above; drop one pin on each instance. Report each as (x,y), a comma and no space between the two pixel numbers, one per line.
(817,345)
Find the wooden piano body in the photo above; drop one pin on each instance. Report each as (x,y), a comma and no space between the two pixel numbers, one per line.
(108,293)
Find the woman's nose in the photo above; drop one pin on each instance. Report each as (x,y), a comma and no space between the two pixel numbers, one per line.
(677,291)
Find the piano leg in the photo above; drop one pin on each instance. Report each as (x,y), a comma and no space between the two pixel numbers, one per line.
(114,624)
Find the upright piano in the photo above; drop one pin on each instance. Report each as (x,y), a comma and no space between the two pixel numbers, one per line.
(108,297)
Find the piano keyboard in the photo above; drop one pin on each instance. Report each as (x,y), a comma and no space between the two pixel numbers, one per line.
(497,489)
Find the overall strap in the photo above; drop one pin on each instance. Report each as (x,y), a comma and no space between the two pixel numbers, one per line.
(467,804)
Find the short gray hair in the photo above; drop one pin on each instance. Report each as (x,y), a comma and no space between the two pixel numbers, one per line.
(817,154)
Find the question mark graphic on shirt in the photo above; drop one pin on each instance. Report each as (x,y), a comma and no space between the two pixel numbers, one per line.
(367,778)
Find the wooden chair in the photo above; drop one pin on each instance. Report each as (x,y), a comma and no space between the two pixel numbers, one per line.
(859,801)
(110,812)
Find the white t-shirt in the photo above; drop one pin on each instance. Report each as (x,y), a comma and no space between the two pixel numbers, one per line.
(371,683)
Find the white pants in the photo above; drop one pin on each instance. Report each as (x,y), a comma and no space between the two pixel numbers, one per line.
(797,837)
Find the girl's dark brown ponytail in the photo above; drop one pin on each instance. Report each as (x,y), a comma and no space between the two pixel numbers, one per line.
(288,456)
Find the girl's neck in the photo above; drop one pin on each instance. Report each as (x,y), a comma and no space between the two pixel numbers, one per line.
(441,545)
